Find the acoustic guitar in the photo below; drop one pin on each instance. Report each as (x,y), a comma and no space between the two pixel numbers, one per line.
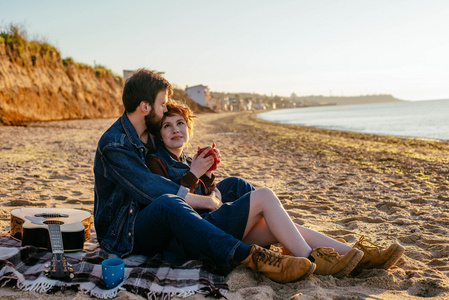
(52,229)
(31,226)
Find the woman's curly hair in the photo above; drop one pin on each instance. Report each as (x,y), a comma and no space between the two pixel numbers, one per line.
(177,108)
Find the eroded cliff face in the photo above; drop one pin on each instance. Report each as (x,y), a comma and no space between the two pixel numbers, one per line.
(41,87)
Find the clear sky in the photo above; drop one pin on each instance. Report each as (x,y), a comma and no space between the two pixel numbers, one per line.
(309,47)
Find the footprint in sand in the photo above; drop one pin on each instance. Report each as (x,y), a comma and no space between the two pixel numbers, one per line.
(363,219)
(87,202)
(23,203)
(62,177)
(285,197)
(19,203)
(74,201)
(338,232)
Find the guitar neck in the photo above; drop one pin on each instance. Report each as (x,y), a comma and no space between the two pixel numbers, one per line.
(59,267)
(55,238)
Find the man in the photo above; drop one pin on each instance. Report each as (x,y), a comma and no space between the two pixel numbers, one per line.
(140,212)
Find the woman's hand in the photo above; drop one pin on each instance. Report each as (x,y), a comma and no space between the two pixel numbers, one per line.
(201,164)
(211,151)
(215,202)
(218,156)
(210,202)
(217,194)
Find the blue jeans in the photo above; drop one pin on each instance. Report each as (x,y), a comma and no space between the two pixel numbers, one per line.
(171,226)
(232,188)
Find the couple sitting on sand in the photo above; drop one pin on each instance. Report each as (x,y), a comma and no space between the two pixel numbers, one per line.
(147,200)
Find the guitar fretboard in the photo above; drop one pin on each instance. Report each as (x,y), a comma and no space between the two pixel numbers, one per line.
(55,238)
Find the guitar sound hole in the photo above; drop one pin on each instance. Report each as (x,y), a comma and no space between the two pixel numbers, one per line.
(52,215)
(57,222)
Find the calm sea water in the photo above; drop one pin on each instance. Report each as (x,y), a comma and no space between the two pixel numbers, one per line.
(422,119)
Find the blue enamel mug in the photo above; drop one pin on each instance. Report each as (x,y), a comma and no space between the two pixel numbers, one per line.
(113,272)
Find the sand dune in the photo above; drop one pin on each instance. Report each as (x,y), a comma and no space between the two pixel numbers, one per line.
(343,184)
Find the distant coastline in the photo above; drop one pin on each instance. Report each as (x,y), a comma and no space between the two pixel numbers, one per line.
(415,119)
(346,100)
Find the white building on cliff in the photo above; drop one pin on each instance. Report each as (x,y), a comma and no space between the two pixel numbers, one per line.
(200,94)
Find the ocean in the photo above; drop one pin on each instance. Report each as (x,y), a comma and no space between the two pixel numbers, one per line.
(420,119)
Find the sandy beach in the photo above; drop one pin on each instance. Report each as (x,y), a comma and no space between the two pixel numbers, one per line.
(340,183)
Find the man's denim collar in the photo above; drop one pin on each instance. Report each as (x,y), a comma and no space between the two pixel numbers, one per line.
(131,132)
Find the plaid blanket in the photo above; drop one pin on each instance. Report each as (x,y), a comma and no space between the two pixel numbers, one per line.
(151,278)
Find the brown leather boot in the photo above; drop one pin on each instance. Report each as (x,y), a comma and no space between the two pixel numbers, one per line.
(375,256)
(278,267)
(341,240)
(329,262)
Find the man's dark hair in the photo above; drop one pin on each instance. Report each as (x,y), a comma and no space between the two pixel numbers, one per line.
(143,85)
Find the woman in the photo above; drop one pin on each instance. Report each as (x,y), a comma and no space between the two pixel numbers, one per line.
(267,221)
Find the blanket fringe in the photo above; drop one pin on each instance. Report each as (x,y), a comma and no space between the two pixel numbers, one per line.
(158,296)
(105,294)
(41,285)
(185,294)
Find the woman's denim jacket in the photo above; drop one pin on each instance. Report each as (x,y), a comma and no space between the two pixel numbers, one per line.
(176,169)
(123,184)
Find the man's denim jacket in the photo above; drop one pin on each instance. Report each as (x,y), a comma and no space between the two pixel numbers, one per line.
(123,184)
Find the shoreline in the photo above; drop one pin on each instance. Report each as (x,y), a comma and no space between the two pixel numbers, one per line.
(425,139)
(343,184)
(433,132)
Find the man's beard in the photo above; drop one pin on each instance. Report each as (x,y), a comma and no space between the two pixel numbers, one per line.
(153,122)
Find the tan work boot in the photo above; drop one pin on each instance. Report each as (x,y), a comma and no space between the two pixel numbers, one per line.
(341,240)
(278,267)
(329,262)
(286,252)
(376,256)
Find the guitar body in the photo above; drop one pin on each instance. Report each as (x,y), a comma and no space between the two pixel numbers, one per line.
(39,237)
(30,225)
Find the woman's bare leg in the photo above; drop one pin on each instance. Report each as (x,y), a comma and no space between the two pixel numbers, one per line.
(316,239)
(269,223)
(260,235)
